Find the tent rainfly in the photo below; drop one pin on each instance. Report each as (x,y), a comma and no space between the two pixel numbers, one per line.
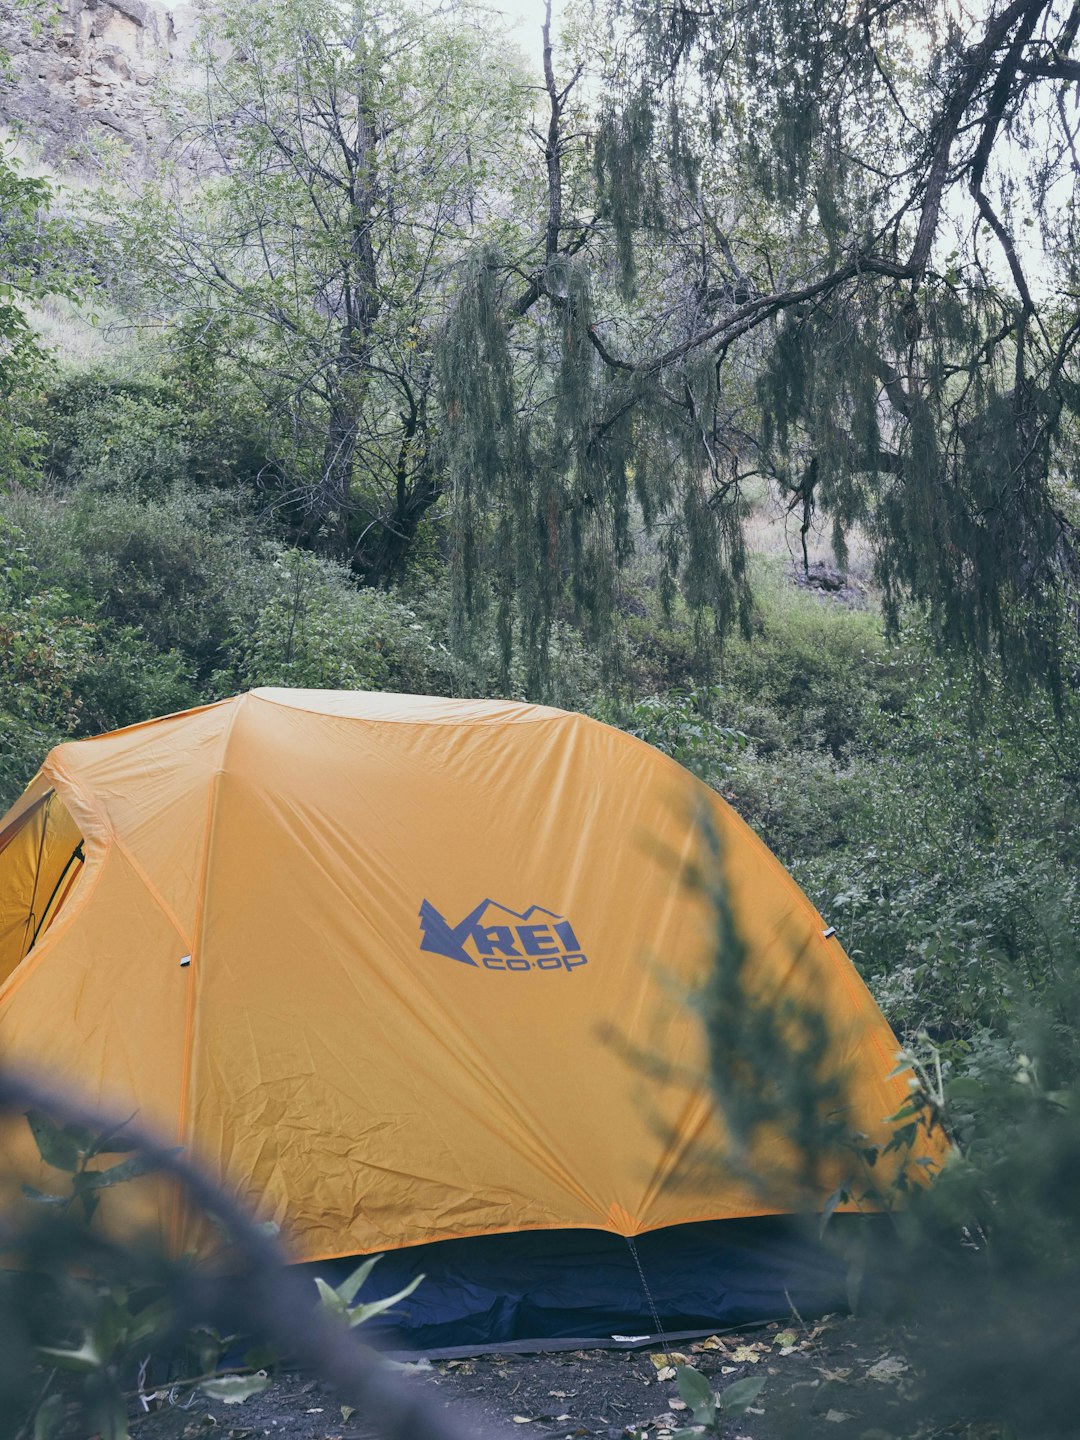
(379,961)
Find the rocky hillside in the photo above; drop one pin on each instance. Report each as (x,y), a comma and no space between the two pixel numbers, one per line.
(83,70)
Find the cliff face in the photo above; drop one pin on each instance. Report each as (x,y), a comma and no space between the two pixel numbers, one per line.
(85,69)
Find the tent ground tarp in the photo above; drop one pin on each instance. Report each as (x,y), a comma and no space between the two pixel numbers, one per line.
(504,1290)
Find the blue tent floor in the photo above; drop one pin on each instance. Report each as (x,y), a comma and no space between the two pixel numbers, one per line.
(589,1288)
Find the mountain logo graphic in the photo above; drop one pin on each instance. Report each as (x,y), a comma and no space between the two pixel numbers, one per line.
(494,937)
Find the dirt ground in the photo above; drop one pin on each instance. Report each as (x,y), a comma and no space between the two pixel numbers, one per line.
(837,1378)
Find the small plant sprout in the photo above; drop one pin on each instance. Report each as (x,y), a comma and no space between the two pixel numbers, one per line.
(708,1408)
(339,1301)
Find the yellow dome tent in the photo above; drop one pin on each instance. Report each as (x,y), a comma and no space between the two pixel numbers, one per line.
(363,956)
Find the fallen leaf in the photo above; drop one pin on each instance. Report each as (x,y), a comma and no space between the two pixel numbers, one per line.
(790,1350)
(678,1404)
(235,1389)
(523,1419)
(347,1412)
(887,1370)
(713,1343)
(746,1355)
(837,1416)
(728,1369)
(667,1372)
(786,1338)
(409,1367)
(839,1376)
(675,1358)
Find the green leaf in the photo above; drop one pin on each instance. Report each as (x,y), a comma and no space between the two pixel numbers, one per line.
(84,1139)
(738,1397)
(108,1417)
(126,1170)
(235,1389)
(40,1198)
(360,1313)
(55,1147)
(330,1299)
(905,1112)
(149,1322)
(696,1393)
(107,1143)
(49,1417)
(838,1196)
(83,1361)
(348,1288)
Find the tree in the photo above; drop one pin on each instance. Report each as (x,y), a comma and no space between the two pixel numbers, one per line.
(345,153)
(769,287)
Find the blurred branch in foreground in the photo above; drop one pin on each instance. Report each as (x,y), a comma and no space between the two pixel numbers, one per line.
(259,1296)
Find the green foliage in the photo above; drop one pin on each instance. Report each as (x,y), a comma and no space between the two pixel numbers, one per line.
(976,1280)
(299,620)
(351,153)
(235,1389)
(771,1057)
(813,675)
(143,432)
(931,817)
(682,725)
(987,571)
(708,1408)
(66,667)
(976,1272)
(29,246)
(562,470)
(113,1323)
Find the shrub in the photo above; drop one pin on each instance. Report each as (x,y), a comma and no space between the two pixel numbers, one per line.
(65,671)
(165,567)
(296,619)
(814,674)
(134,427)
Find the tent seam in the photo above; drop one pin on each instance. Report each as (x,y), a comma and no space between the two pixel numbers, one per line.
(194,970)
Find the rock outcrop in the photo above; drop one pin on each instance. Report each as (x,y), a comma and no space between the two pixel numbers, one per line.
(83,70)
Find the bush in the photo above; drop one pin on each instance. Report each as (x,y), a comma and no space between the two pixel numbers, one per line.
(141,431)
(299,620)
(963,864)
(65,671)
(814,674)
(165,567)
